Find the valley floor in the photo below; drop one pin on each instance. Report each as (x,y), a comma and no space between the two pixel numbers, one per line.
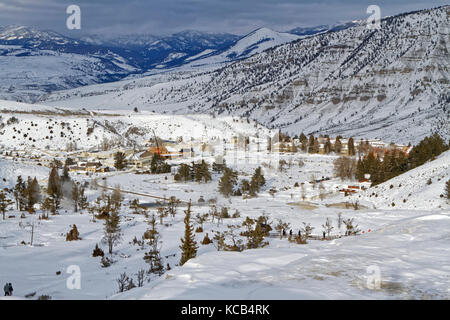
(408,248)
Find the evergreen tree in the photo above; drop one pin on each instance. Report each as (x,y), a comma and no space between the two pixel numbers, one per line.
(302,138)
(447,189)
(73,234)
(351,147)
(219,165)
(428,148)
(360,171)
(316,145)
(4,203)
(65,176)
(311,144)
(82,199)
(154,165)
(184,173)
(69,162)
(35,191)
(75,197)
(153,256)
(119,160)
(188,244)
(257,181)
(338,145)
(19,194)
(205,174)
(245,186)
(54,183)
(158,164)
(112,232)
(33,194)
(227,182)
(256,237)
(54,189)
(327,147)
(197,172)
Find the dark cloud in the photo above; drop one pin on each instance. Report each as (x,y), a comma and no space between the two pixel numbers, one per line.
(118,17)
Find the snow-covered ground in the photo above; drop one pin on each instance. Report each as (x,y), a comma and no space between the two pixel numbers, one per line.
(48,127)
(408,246)
(411,256)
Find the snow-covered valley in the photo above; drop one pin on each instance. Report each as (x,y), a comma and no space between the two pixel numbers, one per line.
(309,164)
(409,246)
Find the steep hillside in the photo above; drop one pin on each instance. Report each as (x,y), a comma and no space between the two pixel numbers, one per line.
(390,83)
(419,188)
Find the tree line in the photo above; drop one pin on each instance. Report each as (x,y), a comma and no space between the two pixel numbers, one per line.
(395,162)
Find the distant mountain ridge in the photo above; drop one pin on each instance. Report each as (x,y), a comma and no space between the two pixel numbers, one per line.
(95,59)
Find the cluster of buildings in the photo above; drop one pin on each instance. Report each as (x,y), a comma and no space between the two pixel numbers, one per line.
(97,161)
(362,147)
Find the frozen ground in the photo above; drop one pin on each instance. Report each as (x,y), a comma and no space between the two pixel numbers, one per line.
(408,245)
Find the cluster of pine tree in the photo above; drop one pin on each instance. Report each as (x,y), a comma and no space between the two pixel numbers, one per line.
(26,194)
(256,231)
(229,180)
(395,162)
(312,145)
(159,165)
(195,172)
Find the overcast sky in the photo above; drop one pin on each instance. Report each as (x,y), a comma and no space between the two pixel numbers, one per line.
(161,17)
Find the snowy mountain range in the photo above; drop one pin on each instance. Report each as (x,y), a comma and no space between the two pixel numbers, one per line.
(390,83)
(37,62)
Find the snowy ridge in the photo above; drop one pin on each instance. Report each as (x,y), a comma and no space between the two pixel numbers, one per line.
(253,43)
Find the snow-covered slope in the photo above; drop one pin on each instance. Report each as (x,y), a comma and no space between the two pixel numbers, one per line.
(413,190)
(34,62)
(10,170)
(390,83)
(53,128)
(338,269)
(253,43)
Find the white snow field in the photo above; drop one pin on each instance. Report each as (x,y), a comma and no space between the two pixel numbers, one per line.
(412,258)
(409,246)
